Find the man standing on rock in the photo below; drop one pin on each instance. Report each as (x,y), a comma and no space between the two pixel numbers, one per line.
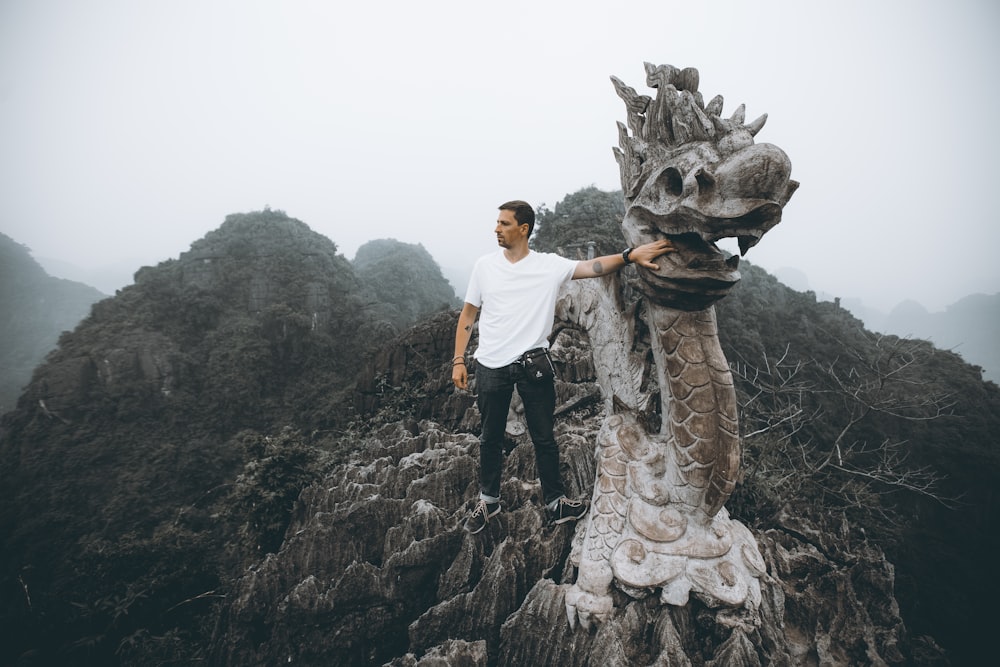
(516,290)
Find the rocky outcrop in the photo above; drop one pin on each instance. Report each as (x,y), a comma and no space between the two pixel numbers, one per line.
(126,523)
(407,376)
(825,600)
(376,569)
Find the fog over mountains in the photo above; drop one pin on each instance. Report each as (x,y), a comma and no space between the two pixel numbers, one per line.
(970,327)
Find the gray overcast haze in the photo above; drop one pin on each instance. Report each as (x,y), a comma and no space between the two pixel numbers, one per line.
(130,129)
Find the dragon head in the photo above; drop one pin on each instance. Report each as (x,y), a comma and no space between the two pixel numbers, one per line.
(694,177)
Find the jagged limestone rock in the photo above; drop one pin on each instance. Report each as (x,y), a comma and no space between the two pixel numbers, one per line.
(376,569)
(452,653)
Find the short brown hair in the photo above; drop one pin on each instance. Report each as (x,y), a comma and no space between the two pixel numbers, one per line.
(523,213)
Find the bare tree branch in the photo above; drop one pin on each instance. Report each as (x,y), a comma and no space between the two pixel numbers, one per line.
(785,403)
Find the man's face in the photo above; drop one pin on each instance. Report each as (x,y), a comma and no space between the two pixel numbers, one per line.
(508,231)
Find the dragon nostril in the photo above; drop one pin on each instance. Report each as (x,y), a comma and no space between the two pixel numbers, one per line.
(705,180)
(670,180)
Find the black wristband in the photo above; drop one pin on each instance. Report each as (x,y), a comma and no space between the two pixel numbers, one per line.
(626,253)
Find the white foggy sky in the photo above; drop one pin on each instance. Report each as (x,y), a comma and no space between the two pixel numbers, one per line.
(129,129)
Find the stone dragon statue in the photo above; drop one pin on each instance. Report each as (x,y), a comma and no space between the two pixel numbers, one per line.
(657,522)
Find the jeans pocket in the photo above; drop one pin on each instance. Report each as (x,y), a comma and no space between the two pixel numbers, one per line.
(490,379)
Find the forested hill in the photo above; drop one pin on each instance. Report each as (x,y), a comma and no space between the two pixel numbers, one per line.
(405,280)
(34,309)
(139,423)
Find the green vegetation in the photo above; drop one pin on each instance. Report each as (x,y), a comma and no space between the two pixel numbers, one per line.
(277,468)
(893,434)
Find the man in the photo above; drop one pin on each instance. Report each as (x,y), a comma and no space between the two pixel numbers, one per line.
(516,290)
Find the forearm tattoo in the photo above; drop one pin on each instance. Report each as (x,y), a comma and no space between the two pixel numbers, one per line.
(597,268)
(468,327)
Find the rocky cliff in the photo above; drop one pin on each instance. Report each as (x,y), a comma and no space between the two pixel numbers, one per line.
(377,569)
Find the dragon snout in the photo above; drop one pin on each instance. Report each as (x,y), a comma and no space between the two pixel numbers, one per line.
(697,199)
(741,195)
(761,172)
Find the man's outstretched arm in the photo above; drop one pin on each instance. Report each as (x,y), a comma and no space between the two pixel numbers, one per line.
(642,255)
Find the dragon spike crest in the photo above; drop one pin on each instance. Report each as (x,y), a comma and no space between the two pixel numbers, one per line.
(676,117)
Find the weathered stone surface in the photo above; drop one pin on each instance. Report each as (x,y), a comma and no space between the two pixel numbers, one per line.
(138,361)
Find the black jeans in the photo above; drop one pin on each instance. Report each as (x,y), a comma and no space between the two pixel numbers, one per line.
(495,387)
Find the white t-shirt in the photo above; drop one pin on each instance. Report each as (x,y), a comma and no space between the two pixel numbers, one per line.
(517,303)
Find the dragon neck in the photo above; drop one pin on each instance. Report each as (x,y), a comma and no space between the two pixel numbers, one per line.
(698,402)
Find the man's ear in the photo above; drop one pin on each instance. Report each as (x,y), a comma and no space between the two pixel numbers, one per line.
(524,229)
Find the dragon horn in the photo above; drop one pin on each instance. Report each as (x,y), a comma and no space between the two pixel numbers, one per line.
(688,79)
(739,115)
(714,107)
(755,126)
(720,125)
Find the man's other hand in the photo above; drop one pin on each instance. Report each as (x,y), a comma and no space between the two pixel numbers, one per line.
(460,375)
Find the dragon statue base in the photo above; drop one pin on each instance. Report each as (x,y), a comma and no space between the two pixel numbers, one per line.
(644,540)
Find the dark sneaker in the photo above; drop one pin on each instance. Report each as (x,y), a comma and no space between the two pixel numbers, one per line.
(481,516)
(568,510)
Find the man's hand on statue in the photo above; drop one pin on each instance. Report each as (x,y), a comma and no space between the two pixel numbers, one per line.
(645,254)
